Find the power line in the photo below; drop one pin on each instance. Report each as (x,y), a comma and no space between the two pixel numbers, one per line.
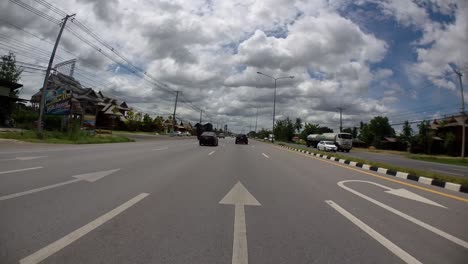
(36,11)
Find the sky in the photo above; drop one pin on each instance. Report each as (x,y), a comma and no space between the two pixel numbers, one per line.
(369,57)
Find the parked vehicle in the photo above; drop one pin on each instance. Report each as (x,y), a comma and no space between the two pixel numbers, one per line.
(208,138)
(176,134)
(242,139)
(221,135)
(343,141)
(327,146)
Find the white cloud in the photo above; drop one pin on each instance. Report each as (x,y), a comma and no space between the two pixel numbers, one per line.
(211,51)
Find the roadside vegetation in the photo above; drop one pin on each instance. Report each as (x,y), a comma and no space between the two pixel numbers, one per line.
(429,174)
(63,138)
(57,137)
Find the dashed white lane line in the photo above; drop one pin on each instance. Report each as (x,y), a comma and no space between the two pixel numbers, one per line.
(211,153)
(265,155)
(403,255)
(58,245)
(163,148)
(26,169)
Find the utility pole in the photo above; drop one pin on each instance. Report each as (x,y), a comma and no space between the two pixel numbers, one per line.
(49,68)
(201,111)
(463,113)
(341,118)
(461,90)
(175,108)
(256,119)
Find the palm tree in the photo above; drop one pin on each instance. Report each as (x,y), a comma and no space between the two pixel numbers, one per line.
(298,124)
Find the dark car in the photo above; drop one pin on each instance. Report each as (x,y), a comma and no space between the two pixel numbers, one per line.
(242,139)
(208,138)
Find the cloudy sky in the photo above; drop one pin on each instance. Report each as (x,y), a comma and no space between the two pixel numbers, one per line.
(370,57)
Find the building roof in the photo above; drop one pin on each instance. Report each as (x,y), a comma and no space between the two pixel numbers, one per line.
(11,85)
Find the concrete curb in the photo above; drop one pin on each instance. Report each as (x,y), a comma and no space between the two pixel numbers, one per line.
(402,175)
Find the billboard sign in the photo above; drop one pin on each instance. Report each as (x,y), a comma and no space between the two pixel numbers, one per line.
(89,121)
(58,102)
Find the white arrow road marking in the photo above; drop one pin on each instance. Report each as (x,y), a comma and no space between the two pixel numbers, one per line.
(405,216)
(211,153)
(25,158)
(26,169)
(403,255)
(58,245)
(163,148)
(239,196)
(265,155)
(412,196)
(30,158)
(402,193)
(89,177)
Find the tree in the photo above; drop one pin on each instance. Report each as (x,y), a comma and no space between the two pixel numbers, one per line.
(322,130)
(263,133)
(284,130)
(158,123)
(355,132)
(348,130)
(425,136)
(9,73)
(309,129)
(298,124)
(8,70)
(378,128)
(406,134)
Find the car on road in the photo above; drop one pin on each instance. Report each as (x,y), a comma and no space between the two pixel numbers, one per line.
(242,139)
(327,146)
(221,135)
(208,138)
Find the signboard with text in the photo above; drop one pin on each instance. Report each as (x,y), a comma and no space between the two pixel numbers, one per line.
(58,102)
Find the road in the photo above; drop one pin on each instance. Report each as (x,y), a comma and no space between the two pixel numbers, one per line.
(172,201)
(402,161)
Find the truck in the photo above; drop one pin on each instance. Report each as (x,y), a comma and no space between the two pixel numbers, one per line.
(344,141)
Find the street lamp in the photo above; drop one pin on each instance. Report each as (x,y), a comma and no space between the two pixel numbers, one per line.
(274,101)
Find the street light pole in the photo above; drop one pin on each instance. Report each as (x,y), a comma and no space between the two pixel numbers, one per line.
(274,101)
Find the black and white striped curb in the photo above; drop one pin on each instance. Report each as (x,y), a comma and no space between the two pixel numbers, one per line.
(402,175)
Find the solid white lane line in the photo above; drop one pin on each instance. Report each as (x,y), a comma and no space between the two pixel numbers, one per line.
(403,255)
(211,153)
(265,155)
(418,222)
(26,169)
(58,245)
(163,148)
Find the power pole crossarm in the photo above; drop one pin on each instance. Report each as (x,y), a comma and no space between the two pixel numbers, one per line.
(46,78)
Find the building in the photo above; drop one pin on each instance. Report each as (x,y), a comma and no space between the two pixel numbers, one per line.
(452,125)
(94,109)
(8,99)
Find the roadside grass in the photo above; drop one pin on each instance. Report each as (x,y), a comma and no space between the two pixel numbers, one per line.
(429,174)
(424,157)
(56,137)
(440,159)
(133,132)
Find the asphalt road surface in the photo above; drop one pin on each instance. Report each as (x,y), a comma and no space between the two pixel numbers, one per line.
(402,161)
(172,201)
